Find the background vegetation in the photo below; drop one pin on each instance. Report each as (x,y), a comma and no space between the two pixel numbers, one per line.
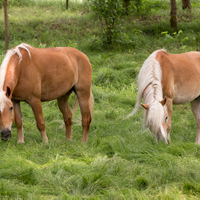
(121,159)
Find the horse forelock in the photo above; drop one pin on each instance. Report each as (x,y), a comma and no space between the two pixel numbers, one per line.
(3,100)
(7,58)
(155,116)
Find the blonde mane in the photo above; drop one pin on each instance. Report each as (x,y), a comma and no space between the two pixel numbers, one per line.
(150,89)
(3,69)
(6,60)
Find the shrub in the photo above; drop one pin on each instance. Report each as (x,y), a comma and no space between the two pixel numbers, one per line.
(109,13)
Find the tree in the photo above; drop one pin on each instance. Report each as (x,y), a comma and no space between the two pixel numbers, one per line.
(137,4)
(67,4)
(126,5)
(173,14)
(109,13)
(6,24)
(186,4)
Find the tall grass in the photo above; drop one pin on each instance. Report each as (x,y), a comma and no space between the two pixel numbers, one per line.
(121,159)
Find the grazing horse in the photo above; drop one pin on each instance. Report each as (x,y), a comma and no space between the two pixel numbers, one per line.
(167,79)
(33,75)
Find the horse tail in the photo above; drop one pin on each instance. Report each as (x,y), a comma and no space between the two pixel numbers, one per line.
(91,104)
(137,105)
(140,92)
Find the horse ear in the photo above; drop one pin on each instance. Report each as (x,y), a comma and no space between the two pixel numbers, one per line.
(163,102)
(8,92)
(145,106)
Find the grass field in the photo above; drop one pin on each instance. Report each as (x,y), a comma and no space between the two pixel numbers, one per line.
(121,159)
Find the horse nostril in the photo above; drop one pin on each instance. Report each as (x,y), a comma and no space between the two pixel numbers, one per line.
(6,134)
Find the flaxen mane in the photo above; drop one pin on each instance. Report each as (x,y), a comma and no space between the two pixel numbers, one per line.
(3,69)
(150,89)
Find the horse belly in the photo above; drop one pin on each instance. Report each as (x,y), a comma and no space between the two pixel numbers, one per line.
(57,85)
(185,95)
(51,93)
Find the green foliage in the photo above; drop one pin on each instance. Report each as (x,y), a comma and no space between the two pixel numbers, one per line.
(109,13)
(19,2)
(1,3)
(145,7)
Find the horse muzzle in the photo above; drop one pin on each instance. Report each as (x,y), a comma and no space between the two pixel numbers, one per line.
(160,138)
(6,134)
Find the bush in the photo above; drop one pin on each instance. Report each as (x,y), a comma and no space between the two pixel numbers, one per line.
(109,13)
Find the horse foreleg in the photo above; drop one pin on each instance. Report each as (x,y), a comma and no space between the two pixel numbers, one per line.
(67,115)
(196,111)
(37,110)
(18,122)
(169,112)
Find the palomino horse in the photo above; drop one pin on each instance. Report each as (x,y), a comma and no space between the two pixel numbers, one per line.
(33,75)
(167,79)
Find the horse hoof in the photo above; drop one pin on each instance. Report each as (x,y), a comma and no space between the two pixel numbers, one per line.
(20,142)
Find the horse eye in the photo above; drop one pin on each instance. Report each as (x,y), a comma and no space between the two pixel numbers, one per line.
(11,108)
(166,118)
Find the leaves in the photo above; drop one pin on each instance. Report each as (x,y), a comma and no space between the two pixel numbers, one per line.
(108,12)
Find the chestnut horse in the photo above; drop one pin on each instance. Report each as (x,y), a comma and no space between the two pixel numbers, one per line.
(33,75)
(167,79)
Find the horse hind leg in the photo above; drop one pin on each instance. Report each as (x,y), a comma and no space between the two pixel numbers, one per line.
(196,111)
(67,114)
(86,103)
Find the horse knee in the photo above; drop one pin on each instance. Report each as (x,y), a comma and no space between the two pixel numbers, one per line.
(18,121)
(18,124)
(86,121)
(68,121)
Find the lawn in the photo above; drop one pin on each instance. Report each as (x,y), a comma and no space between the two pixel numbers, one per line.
(121,159)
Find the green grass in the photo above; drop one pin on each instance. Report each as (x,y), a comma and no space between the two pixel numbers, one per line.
(121,159)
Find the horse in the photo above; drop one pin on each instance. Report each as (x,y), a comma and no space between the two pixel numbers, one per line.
(35,75)
(166,79)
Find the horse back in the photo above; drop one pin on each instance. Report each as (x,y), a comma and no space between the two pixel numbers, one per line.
(180,75)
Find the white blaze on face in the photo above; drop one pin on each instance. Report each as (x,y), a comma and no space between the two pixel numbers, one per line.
(163,132)
(3,99)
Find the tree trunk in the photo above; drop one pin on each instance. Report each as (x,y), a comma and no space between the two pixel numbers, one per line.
(6,24)
(173,14)
(138,4)
(186,4)
(67,4)
(126,5)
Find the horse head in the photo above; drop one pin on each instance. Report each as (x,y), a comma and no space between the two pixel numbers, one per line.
(157,119)
(6,114)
